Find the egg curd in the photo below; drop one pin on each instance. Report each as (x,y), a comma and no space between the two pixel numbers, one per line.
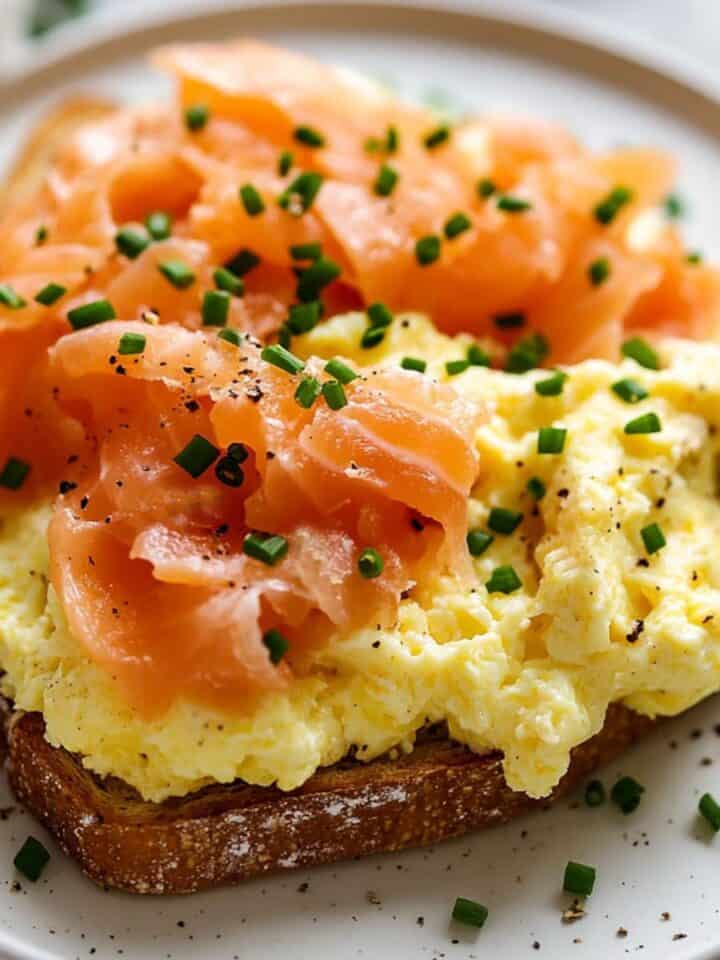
(598,617)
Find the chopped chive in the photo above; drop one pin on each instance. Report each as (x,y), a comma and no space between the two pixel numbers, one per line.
(50,294)
(230,336)
(285,162)
(370,564)
(641,352)
(316,277)
(41,235)
(485,187)
(552,386)
(392,139)
(386,181)
(238,451)
(379,315)
(536,488)
(710,809)
(307,392)
(647,423)
(267,548)
(527,353)
(476,356)
(579,879)
(653,538)
(437,136)
(130,343)
(10,298)
(90,314)
(469,912)
(509,321)
(630,391)
(454,367)
(229,472)
(456,224)
(177,273)
(478,541)
(13,474)
(215,308)
(159,225)
(226,280)
(674,206)
(309,136)
(551,439)
(197,455)
(301,193)
(427,249)
(373,145)
(502,520)
(280,357)
(306,251)
(414,363)
(599,271)
(304,316)
(594,793)
(503,580)
(608,208)
(242,262)
(694,257)
(626,794)
(131,242)
(31,859)
(334,394)
(341,371)
(196,117)
(372,337)
(251,200)
(510,204)
(277,645)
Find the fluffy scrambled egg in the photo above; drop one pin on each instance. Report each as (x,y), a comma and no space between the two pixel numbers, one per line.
(597,619)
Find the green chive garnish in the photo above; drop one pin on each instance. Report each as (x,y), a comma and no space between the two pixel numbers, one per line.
(130,343)
(230,336)
(341,371)
(552,386)
(579,879)
(31,859)
(641,352)
(437,137)
(177,273)
(50,294)
(309,136)
(527,353)
(630,391)
(334,394)
(606,211)
(504,521)
(10,298)
(316,277)
(276,644)
(41,235)
(197,456)
(510,204)
(503,580)
(653,538)
(694,257)
(626,794)
(485,188)
(710,809)
(196,117)
(370,564)
(301,193)
(280,357)
(509,321)
(674,206)
(226,280)
(251,200)
(379,315)
(414,363)
(306,251)
(477,357)
(372,337)
(13,474)
(386,181)
(243,262)
(131,242)
(551,439)
(469,912)
(536,488)
(599,271)
(594,793)
(238,451)
(307,392)
(478,541)
(90,314)
(285,162)
(267,548)
(215,308)
(392,139)
(647,423)
(456,224)
(159,225)
(427,250)
(304,316)
(454,367)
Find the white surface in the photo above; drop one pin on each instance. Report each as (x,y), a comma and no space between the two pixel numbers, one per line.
(660,858)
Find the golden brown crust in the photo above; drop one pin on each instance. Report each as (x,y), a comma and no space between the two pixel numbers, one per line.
(225,834)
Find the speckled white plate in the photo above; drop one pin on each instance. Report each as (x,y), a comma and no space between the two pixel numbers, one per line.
(659,862)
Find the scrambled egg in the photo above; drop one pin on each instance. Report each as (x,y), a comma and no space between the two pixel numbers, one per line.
(597,618)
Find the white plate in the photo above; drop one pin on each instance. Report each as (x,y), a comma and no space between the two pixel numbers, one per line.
(659,859)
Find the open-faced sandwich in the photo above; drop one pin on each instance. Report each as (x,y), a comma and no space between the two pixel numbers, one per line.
(358,470)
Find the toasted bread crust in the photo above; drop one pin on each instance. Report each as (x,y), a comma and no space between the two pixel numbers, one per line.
(225,834)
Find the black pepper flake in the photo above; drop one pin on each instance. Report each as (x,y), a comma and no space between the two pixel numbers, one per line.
(563,493)
(254,393)
(192,405)
(638,627)
(643,562)
(417,524)
(84,502)
(120,369)
(375,644)
(66,486)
